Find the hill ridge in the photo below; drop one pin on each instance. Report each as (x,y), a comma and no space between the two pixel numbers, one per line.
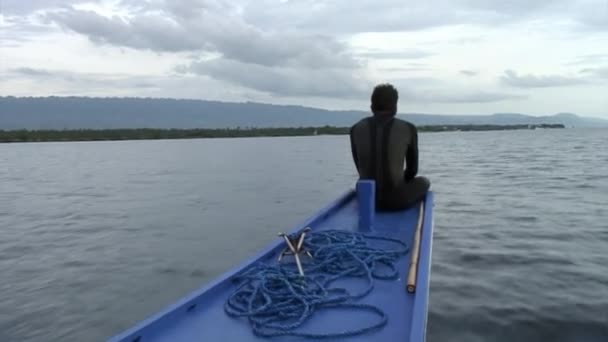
(84,112)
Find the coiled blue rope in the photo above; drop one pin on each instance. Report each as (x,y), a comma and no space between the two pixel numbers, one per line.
(277,300)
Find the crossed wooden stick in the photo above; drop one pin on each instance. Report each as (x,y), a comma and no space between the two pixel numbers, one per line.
(295,248)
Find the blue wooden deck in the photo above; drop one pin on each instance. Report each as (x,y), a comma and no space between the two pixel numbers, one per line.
(200,316)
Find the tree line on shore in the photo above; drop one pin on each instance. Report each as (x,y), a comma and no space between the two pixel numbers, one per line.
(151,134)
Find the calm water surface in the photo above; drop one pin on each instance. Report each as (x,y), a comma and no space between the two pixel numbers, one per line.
(96,236)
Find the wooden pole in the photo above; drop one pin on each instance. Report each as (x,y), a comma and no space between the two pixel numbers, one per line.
(413,272)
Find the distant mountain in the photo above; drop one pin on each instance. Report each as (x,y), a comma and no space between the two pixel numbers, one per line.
(105,113)
(567,119)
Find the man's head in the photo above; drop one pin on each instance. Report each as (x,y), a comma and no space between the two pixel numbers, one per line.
(384,100)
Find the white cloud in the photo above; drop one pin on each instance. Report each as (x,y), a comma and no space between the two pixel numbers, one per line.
(446,55)
(511,78)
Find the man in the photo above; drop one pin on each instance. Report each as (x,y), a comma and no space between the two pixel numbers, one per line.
(380,145)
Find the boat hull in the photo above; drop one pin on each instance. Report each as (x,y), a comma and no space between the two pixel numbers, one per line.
(200,316)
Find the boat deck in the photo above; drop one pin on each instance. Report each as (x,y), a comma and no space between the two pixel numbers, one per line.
(201,317)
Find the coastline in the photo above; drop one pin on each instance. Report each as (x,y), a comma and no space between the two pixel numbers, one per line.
(15,136)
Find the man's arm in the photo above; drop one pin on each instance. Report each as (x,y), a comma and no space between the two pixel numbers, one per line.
(353,149)
(411,156)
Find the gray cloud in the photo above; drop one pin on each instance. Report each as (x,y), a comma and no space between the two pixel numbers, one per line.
(24,7)
(601,73)
(174,30)
(508,8)
(511,78)
(25,71)
(269,61)
(63,82)
(286,81)
(469,73)
(590,15)
(184,9)
(337,16)
(346,16)
(21,29)
(295,48)
(89,81)
(149,32)
(264,31)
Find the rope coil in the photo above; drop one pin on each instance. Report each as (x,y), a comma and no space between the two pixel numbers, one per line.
(277,300)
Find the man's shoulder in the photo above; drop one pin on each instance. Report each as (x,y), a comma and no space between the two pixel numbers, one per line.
(360,123)
(405,123)
(363,121)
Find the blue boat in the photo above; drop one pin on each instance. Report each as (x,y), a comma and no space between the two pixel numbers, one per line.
(299,289)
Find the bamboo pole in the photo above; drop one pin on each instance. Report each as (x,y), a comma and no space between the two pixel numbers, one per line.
(413,271)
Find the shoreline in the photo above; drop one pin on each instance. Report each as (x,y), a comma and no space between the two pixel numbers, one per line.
(17,136)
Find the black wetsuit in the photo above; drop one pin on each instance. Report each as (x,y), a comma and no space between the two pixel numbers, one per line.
(380,147)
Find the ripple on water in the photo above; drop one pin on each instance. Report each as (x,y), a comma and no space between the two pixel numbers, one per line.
(76,263)
(192,273)
(520,218)
(511,258)
(16,251)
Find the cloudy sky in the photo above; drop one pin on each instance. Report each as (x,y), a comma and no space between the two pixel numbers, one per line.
(445,56)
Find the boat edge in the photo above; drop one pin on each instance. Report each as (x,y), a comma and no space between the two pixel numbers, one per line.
(421,296)
(185,302)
